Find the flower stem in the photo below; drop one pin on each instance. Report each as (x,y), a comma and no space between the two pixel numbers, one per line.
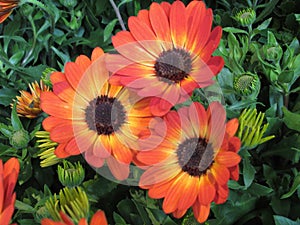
(117,11)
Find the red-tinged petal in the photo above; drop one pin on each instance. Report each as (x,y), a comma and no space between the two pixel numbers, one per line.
(62,133)
(82,222)
(222,194)
(50,122)
(189,192)
(4,16)
(207,191)
(145,36)
(72,147)
(73,73)
(215,64)
(57,77)
(67,220)
(196,11)
(234,144)
(216,125)
(54,106)
(234,173)
(99,218)
(159,173)
(166,6)
(93,160)
(119,170)
(11,165)
(122,38)
(83,62)
(159,22)
(64,91)
(60,151)
(97,53)
(232,127)
(228,159)
(155,155)
(179,213)
(159,107)
(220,173)
(143,15)
(178,24)
(5,216)
(201,212)
(212,43)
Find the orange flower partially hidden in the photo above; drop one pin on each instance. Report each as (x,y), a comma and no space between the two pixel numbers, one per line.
(28,104)
(6,7)
(191,167)
(8,177)
(90,116)
(98,219)
(167,53)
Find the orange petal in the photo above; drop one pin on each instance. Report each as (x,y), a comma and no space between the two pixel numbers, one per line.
(234,173)
(196,11)
(207,191)
(178,24)
(57,77)
(222,194)
(212,43)
(60,151)
(64,91)
(54,106)
(215,64)
(121,152)
(67,220)
(220,173)
(73,73)
(159,190)
(179,213)
(50,122)
(232,126)
(160,23)
(99,218)
(228,159)
(119,170)
(93,160)
(83,62)
(189,192)
(97,52)
(143,15)
(72,147)
(62,133)
(234,144)
(201,212)
(166,6)
(5,216)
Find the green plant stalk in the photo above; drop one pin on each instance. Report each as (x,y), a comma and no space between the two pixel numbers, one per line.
(117,11)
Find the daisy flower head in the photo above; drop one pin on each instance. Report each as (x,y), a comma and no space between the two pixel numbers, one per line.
(91,117)
(167,53)
(191,167)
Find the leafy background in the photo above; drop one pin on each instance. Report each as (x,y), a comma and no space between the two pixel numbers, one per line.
(47,34)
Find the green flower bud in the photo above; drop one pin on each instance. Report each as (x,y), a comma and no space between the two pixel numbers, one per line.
(251,130)
(245,17)
(46,76)
(47,148)
(72,201)
(247,84)
(68,3)
(19,139)
(70,175)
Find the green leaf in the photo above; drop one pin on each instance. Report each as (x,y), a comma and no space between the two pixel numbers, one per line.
(108,29)
(268,9)
(118,219)
(248,172)
(295,186)
(297,17)
(264,25)
(24,207)
(235,30)
(280,220)
(15,120)
(291,120)
(6,96)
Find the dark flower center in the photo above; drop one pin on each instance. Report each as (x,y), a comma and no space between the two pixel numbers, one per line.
(173,65)
(195,156)
(105,115)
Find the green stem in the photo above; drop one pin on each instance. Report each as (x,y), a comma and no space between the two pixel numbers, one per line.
(117,11)
(35,2)
(33,43)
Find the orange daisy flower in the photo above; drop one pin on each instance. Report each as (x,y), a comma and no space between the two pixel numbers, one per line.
(28,104)
(90,116)
(167,53)
(98,219)
(8,178)
(191,166)
(6,8)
